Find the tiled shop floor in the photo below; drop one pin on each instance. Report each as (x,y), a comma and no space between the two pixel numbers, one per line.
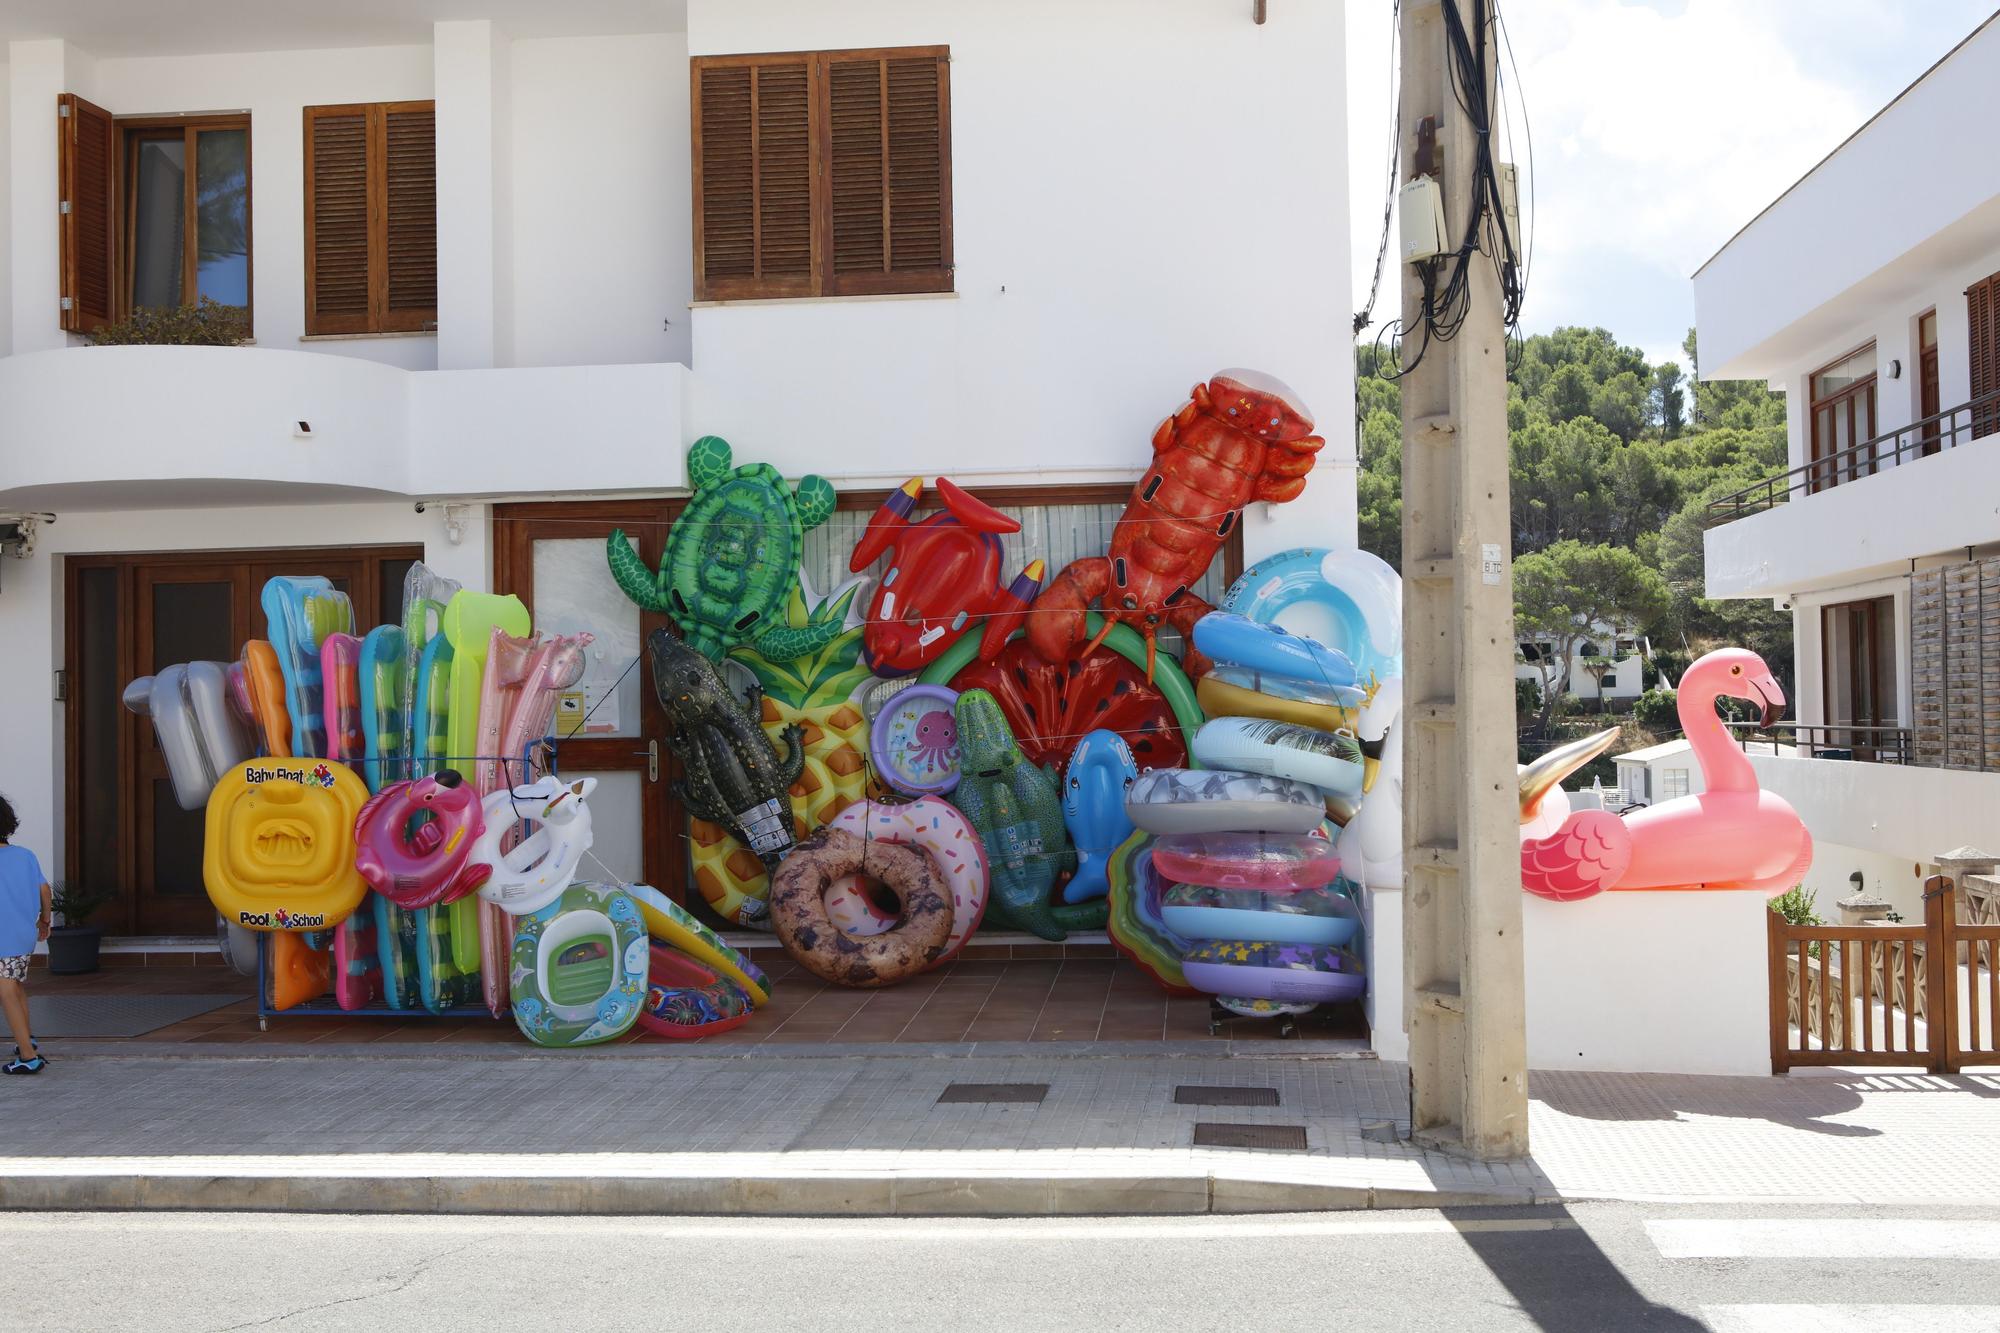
(979,1000)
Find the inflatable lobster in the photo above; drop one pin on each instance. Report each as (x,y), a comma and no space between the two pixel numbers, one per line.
(1243,436)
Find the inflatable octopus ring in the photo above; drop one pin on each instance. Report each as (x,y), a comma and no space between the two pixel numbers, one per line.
(798,909)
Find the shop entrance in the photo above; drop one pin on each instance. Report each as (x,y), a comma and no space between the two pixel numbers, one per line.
(125,616)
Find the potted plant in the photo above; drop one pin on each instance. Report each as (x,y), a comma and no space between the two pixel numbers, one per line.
(73,944)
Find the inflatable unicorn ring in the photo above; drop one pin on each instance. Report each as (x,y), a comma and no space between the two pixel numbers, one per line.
(534,872)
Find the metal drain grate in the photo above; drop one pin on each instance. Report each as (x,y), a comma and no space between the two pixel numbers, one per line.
(1194,1094)
(1290,1138)
(1031,1093)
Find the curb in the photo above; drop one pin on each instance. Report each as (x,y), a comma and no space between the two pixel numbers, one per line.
(130,1048)
(832,1194)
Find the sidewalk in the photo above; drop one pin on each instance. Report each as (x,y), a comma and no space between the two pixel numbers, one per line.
(863,1131)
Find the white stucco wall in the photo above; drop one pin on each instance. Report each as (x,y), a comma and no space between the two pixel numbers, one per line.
(1649,982)
(1144,192)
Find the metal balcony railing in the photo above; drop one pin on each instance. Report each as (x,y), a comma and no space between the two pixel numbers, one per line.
(1841,740)
(1934,434)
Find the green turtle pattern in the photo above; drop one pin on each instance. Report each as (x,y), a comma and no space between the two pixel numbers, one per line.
(732,559)
(1017,809)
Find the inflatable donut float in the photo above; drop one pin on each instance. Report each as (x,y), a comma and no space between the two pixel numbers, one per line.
(685,1000)
(1227,698)
(1136,926)
(798,909)
(954,846)
(669,923)
(421,864)
(1329,760)
(1273,862)
(1186,800)
(1288,973)
(1310,916)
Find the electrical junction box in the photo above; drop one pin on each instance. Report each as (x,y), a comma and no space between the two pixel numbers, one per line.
(1420,205)
(1510,200)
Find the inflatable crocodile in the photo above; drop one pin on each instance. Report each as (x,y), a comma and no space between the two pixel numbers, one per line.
(732,559)
(1018,811)
(734,774)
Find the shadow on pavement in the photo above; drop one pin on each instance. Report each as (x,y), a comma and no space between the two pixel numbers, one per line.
(1802,1103)
(1561,1279)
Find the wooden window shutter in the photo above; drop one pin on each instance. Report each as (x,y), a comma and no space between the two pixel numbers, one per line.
(1982,318)
(371,218)
(888,156)
(822,174)
(409,217)
(754,188)
(87,168)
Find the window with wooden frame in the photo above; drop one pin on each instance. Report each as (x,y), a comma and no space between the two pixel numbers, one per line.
(155,212)
(822,173)
(371,218)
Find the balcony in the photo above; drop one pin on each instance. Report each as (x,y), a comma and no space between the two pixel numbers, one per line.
(1844,741)
(107,428)
(1948,429)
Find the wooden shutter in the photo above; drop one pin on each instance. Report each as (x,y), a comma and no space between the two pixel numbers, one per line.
(409,216)
(1982,318)
(87,168)
(822,174)
(888,153)
(755,196)
(371,217)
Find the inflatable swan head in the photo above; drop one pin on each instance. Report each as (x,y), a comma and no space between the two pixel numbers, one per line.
(532,873)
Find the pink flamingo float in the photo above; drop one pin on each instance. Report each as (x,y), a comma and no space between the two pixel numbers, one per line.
(1733,835)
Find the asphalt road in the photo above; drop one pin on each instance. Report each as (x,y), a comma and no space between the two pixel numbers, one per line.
(1738,1268)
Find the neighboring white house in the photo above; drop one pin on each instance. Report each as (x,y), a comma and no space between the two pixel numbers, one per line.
(1625,656)
(505,260)
(1658,773)
(1869,293)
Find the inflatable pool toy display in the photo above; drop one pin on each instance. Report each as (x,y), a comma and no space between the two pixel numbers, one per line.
(1289,973)
(340,693)
(944,574)
(1050,704)
(201,735)
(945,835)
(526,677)
(732,559)
(1018,812)
(1349,600)
(798,909)
(382,680)
(445,979)
(1274,862)
(534,871)
(1242,436)
(685,1000)
(1136,925)
(1100,775)
(1371,843)
(297,973)
(1220,696)
(264,684)
(1323,915)
(1329,760)
(1266,1009)
(1271,651)
(470,619)
(299,614)
(430,724)
(396,941)
(1288,688)
(414,841)
(278,849)
(914,741)
(670,923)
(580,965)
(357,961)
(1181,800)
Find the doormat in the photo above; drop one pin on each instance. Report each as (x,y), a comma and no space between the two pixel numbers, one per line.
(115,1015)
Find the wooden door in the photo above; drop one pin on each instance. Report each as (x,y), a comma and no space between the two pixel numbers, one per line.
(551,556)
(1927,382)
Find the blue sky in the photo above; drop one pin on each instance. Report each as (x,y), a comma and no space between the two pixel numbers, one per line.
(1659,129)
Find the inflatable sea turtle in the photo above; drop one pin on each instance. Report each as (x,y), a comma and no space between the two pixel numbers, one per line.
(732,559)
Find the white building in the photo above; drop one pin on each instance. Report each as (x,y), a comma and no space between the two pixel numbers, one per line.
(504,260)
(1657,773)
(1604,665)
(1881,325)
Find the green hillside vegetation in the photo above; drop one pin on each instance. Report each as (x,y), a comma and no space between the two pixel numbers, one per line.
(1614,461)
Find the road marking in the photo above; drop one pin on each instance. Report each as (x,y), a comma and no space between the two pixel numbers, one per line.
(1852,1318)
(1823,1238)
(1106,1230)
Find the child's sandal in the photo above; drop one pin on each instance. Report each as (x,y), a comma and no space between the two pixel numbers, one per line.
(19,1066)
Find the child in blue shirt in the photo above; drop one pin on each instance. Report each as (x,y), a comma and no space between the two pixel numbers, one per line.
(25,913)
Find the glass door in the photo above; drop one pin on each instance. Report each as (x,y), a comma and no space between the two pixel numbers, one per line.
(608,727)
(1843,419)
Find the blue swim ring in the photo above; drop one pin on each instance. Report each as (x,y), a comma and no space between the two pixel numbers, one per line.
(1349,600)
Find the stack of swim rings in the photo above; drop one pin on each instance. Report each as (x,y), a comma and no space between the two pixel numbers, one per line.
(1239,870)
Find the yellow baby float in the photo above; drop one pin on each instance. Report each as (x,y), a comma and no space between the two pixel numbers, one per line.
(279,851)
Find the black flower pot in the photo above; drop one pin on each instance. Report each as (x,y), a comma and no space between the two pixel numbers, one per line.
(73,949)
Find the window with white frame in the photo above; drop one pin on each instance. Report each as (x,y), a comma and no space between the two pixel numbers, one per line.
(1673,782)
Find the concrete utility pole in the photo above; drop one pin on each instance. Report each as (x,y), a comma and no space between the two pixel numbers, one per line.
(1465,1000)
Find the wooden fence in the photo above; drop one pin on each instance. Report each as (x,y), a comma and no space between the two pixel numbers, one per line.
(1925,995)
